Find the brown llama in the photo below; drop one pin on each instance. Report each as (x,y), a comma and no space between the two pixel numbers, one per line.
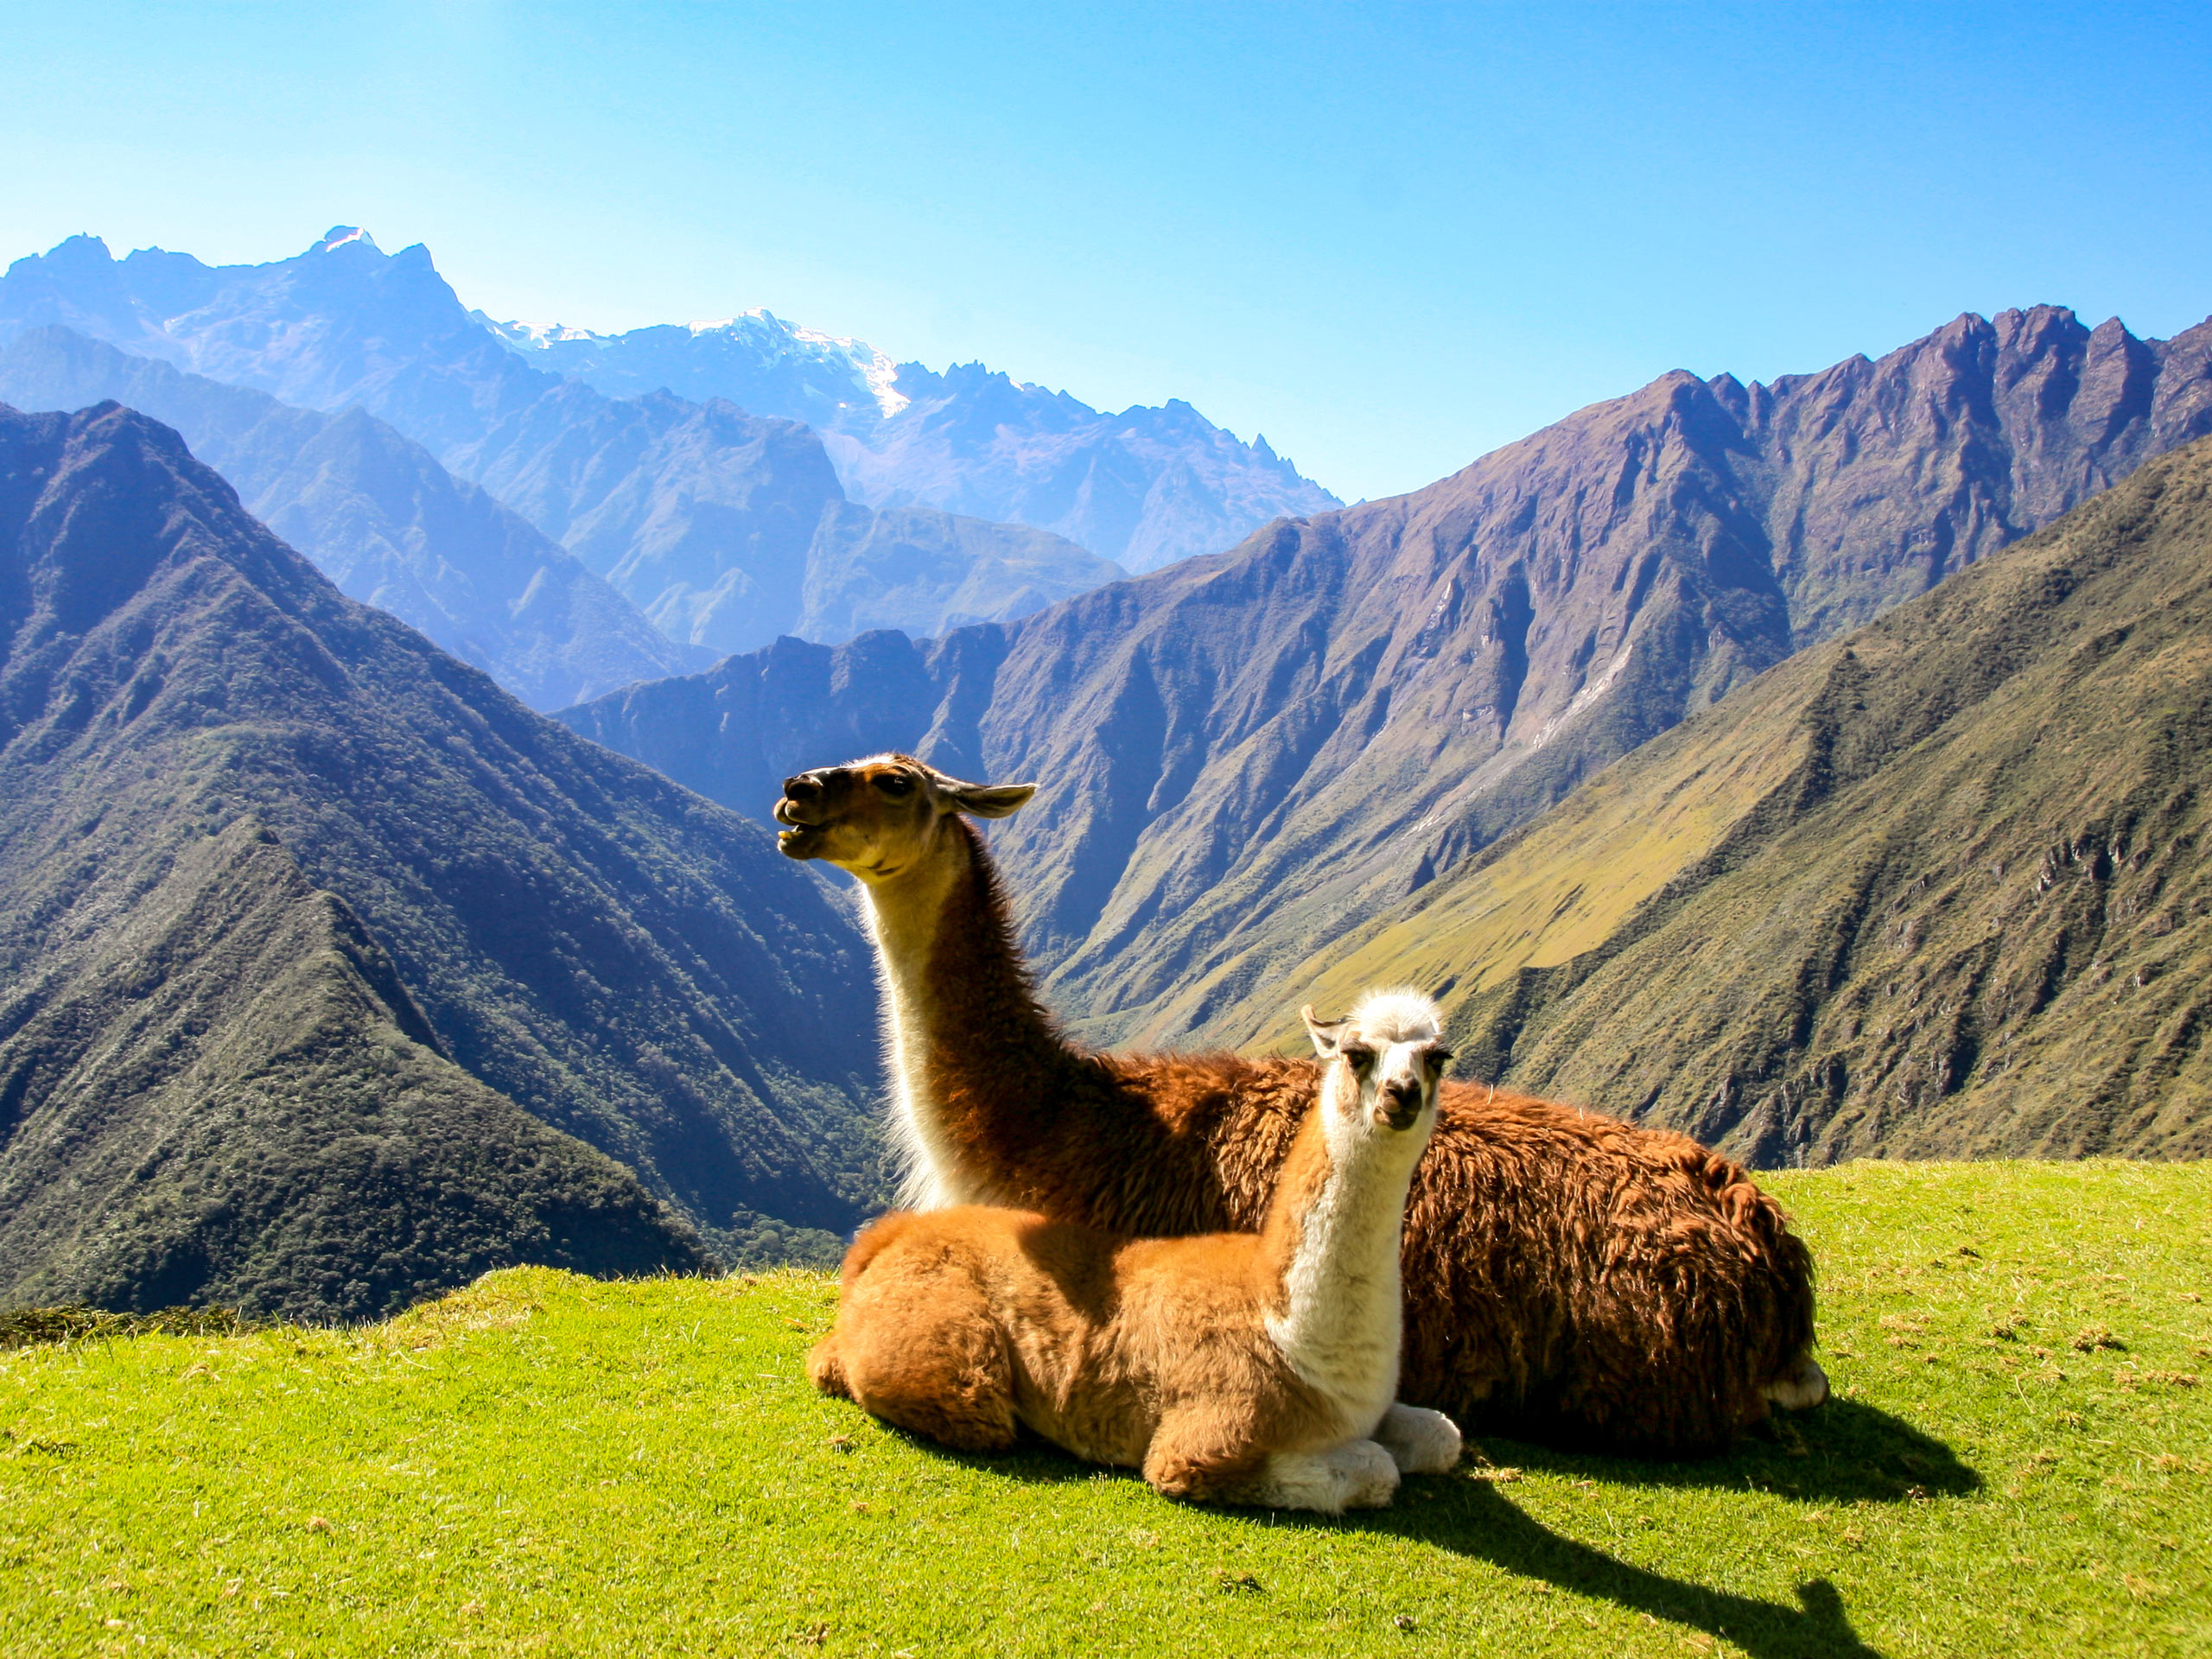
(1567,1276)
(1258,1369)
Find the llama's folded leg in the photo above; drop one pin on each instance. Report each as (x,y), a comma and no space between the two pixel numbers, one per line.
(825,1368)
(1800,1387)
(943,1372)
(1420,1442)
(1190,1458)
(1357,1474)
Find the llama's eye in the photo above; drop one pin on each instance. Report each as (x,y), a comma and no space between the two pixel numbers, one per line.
(1438,1059)
(1361,1058)
(895,785)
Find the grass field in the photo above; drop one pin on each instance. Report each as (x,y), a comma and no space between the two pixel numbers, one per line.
(2018,1461)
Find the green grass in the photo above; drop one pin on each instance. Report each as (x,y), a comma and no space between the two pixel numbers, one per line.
(545,1464)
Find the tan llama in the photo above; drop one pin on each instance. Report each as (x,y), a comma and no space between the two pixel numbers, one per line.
(1258,1369)
(1567,1276)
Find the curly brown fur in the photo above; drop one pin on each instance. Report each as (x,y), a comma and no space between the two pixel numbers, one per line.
(1566,1275)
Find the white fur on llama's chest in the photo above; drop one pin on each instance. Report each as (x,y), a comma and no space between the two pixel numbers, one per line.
(1342,1310)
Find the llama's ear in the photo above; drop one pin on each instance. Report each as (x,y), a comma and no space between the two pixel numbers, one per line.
(1323,1032)
(992,800)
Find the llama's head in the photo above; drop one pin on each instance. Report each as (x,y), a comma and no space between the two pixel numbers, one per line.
(881,817)
(1381,1062)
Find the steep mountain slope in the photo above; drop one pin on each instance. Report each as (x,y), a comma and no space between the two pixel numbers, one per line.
(381,519)
(1144,487)
(1936,889)
(226,1096)
(1244,755)
(624,962)
(733,519)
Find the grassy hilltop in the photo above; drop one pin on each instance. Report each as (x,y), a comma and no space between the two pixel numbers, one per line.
(2018,1461)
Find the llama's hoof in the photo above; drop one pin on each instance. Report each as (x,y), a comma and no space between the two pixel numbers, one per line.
(1420,1442)
(1801,1387)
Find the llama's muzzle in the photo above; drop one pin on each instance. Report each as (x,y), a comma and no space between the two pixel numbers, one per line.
(1397,1104)
(801,802)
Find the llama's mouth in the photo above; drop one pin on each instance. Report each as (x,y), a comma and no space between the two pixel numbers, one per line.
(804,841)
(1395,1112)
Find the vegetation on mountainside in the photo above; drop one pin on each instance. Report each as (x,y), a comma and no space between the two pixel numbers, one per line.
(294,1144)
(2019,1460)
(1937,889)
(325,1080)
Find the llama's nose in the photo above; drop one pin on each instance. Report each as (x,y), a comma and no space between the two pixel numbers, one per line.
(1399,1103)
(805,787)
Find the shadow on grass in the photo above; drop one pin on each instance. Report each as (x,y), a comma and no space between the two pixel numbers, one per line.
(1035,1461)
(1842,1453)
(1474,1519)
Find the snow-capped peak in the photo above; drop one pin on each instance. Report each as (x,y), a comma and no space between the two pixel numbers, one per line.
(537,335)
(876,371)
(339,235)
(759,334)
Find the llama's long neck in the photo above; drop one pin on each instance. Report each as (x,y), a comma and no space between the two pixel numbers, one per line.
(1331,1242)
(971,1053)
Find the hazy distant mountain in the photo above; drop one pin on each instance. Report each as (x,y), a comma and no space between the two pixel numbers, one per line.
(728,528)
(381,519)
(1245,755)
(1935,889)
(758,361)
(1144,487)
(325,964)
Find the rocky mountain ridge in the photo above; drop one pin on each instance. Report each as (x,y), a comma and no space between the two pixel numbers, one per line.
(1935,889)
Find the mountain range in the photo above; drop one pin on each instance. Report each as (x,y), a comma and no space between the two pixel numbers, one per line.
(1811,765)
(1247,754)
(727,529)
(1144,488)
(1934,889)
(380,517)
(330,974)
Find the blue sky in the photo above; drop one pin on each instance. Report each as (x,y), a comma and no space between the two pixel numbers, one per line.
(1390,237)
